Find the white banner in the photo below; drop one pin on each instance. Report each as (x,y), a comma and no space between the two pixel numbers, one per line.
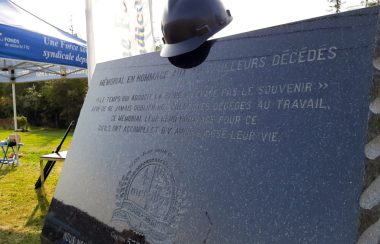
(118,29)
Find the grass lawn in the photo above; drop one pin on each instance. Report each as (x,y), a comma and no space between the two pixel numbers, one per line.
(23,209)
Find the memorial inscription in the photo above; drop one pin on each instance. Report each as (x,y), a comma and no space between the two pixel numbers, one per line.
(261,142)
(164,111)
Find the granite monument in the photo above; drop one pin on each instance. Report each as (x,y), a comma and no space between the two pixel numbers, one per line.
(253,138)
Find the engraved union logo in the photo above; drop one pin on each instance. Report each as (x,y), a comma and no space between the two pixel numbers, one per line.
(149,199)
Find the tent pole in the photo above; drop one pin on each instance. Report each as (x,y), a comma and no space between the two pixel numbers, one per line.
(15,119)
(14,105)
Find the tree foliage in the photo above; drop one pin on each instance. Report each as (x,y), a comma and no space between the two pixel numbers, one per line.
(336,5)
(371,3)
(50,103)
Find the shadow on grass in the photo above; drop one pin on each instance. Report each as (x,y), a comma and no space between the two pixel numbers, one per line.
(39,212)
(5,169)
(11,237)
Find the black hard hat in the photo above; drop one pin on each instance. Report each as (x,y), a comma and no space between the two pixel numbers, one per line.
(186,24)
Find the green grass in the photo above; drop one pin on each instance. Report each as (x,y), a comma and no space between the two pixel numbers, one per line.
(23,209)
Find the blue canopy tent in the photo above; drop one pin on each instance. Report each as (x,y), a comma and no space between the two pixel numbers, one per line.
(34,50)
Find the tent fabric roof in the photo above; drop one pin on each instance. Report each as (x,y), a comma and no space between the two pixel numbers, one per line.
(15,16)
(30,46)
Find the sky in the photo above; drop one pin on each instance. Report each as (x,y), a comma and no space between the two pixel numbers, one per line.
(247,15)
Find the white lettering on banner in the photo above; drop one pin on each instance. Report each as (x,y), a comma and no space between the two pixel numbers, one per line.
(140,29)
(80,59)
(69,46)
(64,56)
(121,28)
(62,44)
(83,49)
(50,42)
(58,55)
(12,40)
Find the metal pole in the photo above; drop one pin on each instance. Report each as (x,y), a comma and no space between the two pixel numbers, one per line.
(15,113)
(14,106)
(90,41)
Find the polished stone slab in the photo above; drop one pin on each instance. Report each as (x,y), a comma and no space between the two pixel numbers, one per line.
(253,138)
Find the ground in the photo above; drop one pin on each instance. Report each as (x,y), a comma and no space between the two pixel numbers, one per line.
(23,209)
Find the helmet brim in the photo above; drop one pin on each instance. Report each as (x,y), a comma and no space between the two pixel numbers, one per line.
(175,49)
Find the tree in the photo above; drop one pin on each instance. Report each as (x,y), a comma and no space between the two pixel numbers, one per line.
(337,5)
(30,103)
(49,104)
(6,110)
(64,100)
(372,3)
